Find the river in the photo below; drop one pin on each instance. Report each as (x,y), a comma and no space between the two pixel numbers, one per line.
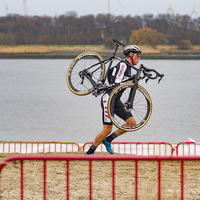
(36,104)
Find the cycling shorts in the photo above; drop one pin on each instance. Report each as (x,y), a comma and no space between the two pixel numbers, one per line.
(120,110)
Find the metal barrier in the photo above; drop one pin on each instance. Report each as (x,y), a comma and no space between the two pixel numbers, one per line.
(138,160)
(137,148)
(37,147)
(188,149)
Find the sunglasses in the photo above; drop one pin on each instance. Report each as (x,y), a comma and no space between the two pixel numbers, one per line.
(138,55)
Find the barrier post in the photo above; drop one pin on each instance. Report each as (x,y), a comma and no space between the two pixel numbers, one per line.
(90,174)
(44,166)
(159,178)
(182,179)
(113,178)
(67,181)
(136,179)
(22,182)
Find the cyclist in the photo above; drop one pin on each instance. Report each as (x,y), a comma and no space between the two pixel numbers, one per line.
(117,73)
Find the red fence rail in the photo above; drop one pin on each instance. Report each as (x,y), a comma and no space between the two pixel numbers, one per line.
(37,147)
(134,148)
(112,158)
(137,148)
(188,149)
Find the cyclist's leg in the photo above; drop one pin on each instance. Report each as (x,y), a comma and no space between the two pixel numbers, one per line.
(125,115)
(104,105)
(129,122)
(107,124)
(104,133)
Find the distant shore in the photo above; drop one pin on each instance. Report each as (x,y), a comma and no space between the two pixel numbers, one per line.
(72,55)
(70,52)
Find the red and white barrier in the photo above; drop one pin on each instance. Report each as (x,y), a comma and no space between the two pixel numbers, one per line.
(137,148)
(37,147)
(158,160)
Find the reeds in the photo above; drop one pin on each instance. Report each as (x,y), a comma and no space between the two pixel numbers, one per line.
(45,49)
(21,49)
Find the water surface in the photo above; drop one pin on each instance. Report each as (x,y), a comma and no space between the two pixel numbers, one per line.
(36,104)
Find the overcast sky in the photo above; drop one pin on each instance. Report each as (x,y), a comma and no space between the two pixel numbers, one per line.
(84,7)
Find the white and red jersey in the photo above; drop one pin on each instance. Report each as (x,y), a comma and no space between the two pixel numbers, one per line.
(119,72)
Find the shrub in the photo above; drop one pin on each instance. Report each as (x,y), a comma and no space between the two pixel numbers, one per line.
(147,36)
(184,45)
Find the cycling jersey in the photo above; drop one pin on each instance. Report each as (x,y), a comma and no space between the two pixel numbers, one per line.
(119,72)
(115,76)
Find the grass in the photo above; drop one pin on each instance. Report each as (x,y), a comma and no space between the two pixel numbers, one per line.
(21,49)
(48,48)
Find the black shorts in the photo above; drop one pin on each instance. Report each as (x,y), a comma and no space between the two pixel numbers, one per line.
(120,111)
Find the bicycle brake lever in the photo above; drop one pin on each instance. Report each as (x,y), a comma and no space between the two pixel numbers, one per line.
(148,75)
(162,75)
(146,80)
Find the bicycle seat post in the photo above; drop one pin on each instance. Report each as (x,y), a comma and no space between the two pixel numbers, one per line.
(114,53)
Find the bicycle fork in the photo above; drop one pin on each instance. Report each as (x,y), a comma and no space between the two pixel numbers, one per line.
(129,103)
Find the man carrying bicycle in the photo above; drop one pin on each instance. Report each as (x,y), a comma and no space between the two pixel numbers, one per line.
(118,73)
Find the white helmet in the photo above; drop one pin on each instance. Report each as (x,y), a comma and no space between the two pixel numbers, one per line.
(131,48)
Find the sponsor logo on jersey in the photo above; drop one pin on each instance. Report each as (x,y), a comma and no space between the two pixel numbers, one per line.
(121,70)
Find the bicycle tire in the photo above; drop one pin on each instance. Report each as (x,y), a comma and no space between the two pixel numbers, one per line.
(142,106)
(81,85)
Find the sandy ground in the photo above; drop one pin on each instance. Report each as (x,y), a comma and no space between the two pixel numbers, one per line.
(101,180)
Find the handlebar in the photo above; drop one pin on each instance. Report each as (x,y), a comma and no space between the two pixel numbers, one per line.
(150,74)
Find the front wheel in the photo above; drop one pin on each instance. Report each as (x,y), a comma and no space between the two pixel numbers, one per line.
(141,110)
(92,63)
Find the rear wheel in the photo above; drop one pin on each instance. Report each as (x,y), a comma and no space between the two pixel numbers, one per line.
(77,82)
(141,111)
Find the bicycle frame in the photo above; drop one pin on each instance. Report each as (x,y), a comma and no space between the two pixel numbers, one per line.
(105,61)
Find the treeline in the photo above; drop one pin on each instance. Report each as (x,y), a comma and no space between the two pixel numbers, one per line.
(70,29)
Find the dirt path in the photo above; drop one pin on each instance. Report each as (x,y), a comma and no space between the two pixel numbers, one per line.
(101,180)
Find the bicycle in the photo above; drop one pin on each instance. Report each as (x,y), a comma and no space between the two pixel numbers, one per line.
(86,74)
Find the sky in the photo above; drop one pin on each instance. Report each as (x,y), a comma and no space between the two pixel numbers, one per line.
(85,7)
